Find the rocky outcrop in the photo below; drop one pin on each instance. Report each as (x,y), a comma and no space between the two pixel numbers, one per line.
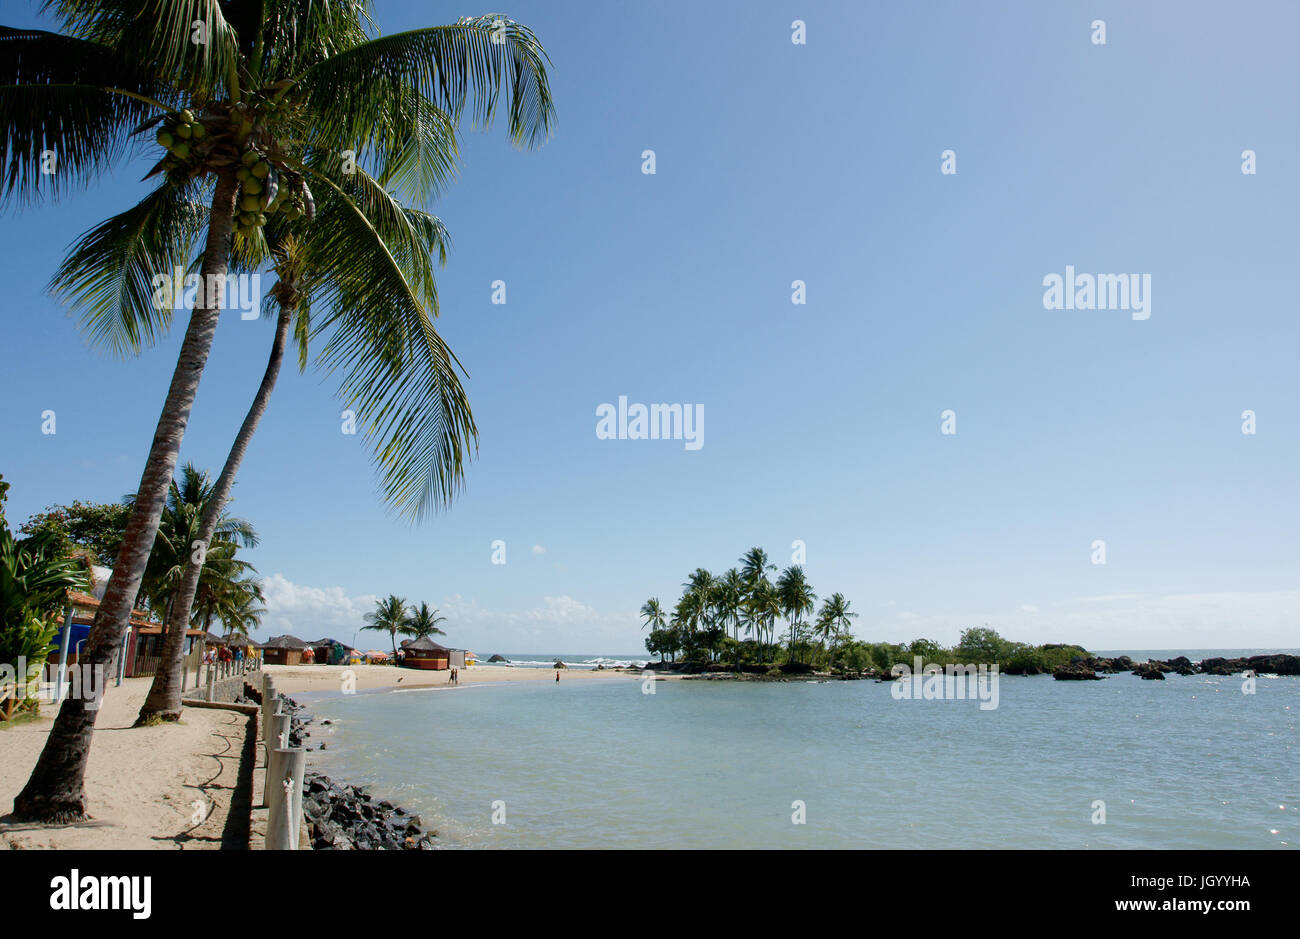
(345,818)
(499,658)
(1151,671)
(1075,671)
(1121,663)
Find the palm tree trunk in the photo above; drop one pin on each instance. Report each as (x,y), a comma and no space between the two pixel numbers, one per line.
(55,792)
(164,700)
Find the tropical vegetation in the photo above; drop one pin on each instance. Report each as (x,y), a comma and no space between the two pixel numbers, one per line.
(704,629)
(35,575)
(392,615)
(254,103)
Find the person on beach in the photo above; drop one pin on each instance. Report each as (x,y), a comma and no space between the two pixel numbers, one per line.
(557,674)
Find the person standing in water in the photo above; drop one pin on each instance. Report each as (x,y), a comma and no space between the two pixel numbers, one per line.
(557,674)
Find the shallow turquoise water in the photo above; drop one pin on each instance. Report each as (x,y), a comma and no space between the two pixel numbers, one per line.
(1190,762)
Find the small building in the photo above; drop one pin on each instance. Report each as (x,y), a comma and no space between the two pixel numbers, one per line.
(329,651)
(427,654)
(283,650)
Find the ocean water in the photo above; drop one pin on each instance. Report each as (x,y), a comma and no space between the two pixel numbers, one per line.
(1190,762)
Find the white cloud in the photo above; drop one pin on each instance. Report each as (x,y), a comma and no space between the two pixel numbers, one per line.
(538,549)
(312,612)
(1028,608)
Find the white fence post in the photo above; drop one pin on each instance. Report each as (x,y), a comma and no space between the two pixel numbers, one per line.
(284,775)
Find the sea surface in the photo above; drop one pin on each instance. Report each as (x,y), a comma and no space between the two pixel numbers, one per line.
(1190,762)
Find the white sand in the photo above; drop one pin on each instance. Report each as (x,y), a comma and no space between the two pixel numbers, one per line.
(144,785)
(291,679)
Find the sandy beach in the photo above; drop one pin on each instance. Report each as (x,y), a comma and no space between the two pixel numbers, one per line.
(145,786)
(297,679)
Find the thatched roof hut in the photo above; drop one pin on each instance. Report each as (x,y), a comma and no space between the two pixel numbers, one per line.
(283,650)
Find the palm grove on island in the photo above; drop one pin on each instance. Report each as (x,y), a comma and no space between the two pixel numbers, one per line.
(703,630)
(282,135)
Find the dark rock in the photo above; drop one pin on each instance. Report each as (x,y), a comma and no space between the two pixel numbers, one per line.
(1274,664)
(1078,672)
(1151,671)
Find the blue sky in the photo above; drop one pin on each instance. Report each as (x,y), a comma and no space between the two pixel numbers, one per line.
(777,162)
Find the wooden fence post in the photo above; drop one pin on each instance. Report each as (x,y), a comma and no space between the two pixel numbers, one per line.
(284,775)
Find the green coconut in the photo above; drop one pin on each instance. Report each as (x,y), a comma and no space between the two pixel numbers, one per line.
(250,157)
(182,150)
(183,131)
(187,116)
(165,138)
(261,170)
(253,186)
(250,203)
(243,175)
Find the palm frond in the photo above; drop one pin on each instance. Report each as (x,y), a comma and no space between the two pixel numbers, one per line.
(477,58)
(69,99)
(110,272)
(190,40)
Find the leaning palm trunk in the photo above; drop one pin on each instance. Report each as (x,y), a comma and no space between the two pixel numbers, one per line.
(56,789)
(164,700)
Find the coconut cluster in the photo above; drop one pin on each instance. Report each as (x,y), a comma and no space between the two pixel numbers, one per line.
(228,141)
(265,190)
(179,136)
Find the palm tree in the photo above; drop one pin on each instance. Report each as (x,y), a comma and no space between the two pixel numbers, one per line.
(188,498)
(797,598)
(239,607)
(422,623)
(766,602)
(263,85)
(833,620)
(754,566)
(730,597)
(653,614)
(317,262)
(389,616)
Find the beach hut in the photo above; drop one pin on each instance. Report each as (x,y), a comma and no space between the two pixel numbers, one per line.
(427,654)
(329,651)
(283,650)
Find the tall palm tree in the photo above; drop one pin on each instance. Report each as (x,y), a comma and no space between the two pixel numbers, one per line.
(389,616)
(754,566)
(317,261)
(766,602)
(730,597)
(834,618)
(653,614)
(422,622)
(797,598)
(264,85)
